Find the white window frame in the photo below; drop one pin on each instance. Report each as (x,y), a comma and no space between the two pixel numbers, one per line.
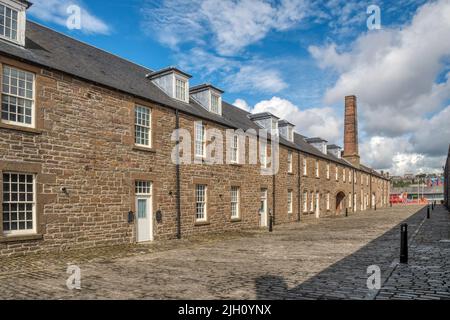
(311,202)
(305,167)
(337,173)
(20,23)
(290,133)
(349,176)
(290,164)
(219,107)
(305,201)
(350,200)
(289,202)
(184,88)
(9,233)
(235,202)
(344,178)
(200,141)
(201,201)
(234,149)
(328,201)
(328,171)
(17,96)
(317,169)
(143,126)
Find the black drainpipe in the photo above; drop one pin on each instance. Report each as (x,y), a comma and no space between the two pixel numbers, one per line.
(273,198)
(299,200)
(178,193)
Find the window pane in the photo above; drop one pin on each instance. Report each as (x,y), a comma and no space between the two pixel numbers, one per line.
(18,202)
(17,98)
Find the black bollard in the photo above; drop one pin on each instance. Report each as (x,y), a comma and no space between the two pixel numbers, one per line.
(428,212)
(346,212)
(375,207)
(270,223)
(404,243)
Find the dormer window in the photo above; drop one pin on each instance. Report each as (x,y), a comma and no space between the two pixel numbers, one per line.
(13,20)
(266,121)
(286,130)
(319,144)
(208,97)
(180,89)
(173,82)
(215,103)
(8,22)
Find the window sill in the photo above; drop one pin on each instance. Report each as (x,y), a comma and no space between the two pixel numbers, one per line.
(145,149)
(19,128)
(19,238)
(236,165)
(236,220)
(202,223)
(291,174)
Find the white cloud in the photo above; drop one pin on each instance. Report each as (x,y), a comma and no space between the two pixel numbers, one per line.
(240,103)
(313,122)
(255,78)
(397,75)
(394,68)
(231,25)
(55,11)
(397,156)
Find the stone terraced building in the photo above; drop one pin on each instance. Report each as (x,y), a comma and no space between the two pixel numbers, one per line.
(87,157)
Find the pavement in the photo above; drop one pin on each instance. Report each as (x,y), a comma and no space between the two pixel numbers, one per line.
(316,259)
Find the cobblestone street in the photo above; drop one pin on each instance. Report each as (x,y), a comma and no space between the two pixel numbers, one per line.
(320,259)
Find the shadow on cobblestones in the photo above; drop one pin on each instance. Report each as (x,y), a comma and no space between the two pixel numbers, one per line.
(347,279)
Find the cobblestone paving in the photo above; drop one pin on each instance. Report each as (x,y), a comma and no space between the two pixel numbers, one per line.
(324,259)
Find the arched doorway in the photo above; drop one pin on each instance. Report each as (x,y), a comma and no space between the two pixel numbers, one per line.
(340,202)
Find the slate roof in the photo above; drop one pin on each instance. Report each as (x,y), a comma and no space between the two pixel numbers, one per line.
(315,140)
(51,49)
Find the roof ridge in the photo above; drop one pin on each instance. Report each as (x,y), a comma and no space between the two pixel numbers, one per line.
(88,44)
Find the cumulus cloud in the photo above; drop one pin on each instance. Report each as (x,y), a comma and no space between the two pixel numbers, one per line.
(56,11)
(240,103)
(394,69)
(398,156)
(397,75)
(312,122)
(231,25)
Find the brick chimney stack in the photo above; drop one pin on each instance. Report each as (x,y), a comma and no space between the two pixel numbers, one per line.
(351,148)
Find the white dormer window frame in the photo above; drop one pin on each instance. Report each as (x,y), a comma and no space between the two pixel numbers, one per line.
(290,133)
(14,22)
(181,88)
(274,127)
(216,103)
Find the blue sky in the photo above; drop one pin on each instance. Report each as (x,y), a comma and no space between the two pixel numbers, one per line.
(297,59)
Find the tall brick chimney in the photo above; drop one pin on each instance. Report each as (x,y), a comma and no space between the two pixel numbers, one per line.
(351,148)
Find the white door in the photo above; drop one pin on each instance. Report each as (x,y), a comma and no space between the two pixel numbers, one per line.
(373,201)
(317,205)
(263,208)
(144,219)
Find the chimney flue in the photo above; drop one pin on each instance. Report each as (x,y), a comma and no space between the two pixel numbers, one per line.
(351,148)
